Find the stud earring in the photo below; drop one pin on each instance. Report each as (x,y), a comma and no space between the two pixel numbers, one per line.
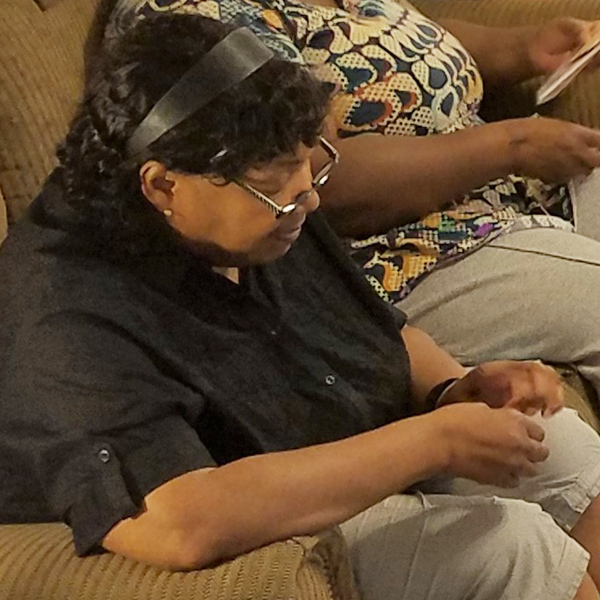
(168,212)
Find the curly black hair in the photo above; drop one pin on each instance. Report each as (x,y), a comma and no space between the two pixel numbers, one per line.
(267,115)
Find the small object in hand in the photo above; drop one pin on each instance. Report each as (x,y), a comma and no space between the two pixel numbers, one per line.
(566,73)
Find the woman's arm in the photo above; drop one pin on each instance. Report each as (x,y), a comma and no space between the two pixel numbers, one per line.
(385,181)
(528,386)
(509,55)
(429,364)
(382,182)
(501,53)
(212,514)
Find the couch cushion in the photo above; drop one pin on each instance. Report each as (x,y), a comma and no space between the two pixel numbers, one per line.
(41,66)
(38,562)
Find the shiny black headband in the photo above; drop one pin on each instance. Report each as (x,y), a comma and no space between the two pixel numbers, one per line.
(228,63)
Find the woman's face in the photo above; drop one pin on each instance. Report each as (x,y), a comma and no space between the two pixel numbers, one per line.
(226,223)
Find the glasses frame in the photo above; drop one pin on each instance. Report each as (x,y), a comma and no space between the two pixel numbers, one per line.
(319,180)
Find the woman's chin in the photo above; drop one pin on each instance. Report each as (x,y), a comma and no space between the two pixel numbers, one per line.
(271,251)
(267,250)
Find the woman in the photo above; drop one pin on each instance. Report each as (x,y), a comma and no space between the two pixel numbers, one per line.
(441,225)
(175,371)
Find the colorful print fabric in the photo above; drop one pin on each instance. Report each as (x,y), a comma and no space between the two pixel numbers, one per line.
(395,73)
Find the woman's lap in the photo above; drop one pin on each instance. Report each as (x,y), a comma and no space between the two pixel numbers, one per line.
(566,483)
(531,294)
(534,293)
(468,544)
(440,547)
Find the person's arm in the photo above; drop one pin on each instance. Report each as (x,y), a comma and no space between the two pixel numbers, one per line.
(528,386)
(212,514)
(385,181)
(429,364)
(501,53)
(509,55)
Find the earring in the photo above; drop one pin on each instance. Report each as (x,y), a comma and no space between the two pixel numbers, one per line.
(168,212)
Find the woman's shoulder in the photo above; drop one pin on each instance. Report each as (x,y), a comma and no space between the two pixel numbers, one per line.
(46,265)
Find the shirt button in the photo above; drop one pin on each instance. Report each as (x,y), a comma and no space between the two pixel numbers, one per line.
(330,380)
(104,455)
(273,332)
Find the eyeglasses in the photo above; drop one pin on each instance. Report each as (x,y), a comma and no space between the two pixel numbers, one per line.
(319,180)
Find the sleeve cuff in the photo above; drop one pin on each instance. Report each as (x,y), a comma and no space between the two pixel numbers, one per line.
(105,481)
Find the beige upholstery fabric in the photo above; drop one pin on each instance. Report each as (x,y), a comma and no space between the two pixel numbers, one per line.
(578,103)
(46,4)
(508,12)
(41,61)
(37,563)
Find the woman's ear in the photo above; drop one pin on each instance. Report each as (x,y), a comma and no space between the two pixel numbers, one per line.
(156,184)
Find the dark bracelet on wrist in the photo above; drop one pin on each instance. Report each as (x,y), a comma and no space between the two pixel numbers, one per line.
(435,393)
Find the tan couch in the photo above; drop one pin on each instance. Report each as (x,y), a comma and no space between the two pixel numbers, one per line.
(41,71)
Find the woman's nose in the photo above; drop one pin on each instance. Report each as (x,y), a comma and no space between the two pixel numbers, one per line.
(307,197)
(312,202)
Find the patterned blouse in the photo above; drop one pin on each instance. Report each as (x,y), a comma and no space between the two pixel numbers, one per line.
(395,73)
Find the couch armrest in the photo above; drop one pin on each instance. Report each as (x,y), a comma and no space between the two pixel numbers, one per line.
(578,103)
(37,562)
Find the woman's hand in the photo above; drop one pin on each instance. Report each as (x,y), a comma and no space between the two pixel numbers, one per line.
(497,447)
(557,41)
(527,386)
(550,149)
(509,55)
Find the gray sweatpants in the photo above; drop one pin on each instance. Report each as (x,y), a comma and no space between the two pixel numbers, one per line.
(531,294)
(458,540)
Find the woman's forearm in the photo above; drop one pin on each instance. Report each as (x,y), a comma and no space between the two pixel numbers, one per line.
(212,514)
(429,364)
(501,53)
(386,181)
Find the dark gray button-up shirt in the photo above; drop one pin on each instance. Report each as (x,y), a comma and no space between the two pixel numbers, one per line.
(115,378)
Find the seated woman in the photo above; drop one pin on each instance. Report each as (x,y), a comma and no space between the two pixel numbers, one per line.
(450,228)
(186,359)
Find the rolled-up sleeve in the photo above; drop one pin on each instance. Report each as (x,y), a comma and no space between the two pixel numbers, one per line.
(108,420)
